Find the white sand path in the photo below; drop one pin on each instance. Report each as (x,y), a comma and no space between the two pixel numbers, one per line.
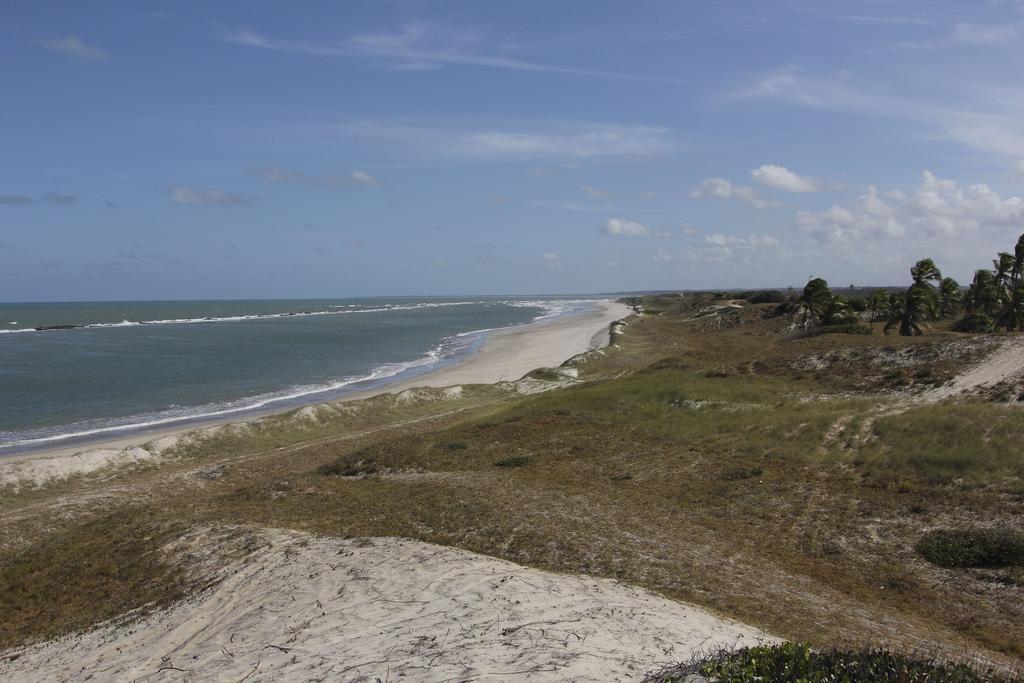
(314,608)
(1006,362)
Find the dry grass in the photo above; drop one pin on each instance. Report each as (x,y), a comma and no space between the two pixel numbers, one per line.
(706,461)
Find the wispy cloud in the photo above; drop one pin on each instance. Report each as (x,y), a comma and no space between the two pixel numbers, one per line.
(985,34)
(16,200)
(552,260)
(987,119)
(885,20)
(575,141)
(720,188)
(24,200)
(58,198)
(274,174)
(422,47)
(191,197)
(74,47)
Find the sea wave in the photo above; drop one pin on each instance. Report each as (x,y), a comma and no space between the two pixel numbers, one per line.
(241,318)
(449,348)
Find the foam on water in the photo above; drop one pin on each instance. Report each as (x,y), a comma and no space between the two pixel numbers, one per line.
(450,349)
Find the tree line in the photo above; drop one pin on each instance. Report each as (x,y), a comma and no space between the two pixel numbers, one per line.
(994,301)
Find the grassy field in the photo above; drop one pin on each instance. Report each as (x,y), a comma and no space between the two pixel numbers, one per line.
(784,481)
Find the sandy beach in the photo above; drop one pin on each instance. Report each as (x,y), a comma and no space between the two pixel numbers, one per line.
(507,354)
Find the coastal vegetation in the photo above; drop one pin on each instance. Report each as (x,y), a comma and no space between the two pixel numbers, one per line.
(800,662)
(994,300)
(805,484)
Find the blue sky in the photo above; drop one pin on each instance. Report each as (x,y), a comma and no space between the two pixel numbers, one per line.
(265,149)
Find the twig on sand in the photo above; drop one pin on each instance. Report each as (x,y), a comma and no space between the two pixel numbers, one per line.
(285,650)
(254,669)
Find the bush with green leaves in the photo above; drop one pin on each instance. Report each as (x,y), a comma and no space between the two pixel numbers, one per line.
(974,322)
(799,663)
(514,461)
(998,547)
(842,328)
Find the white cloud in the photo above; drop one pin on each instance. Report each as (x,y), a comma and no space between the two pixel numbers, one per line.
(937,208)
(867,217)
(274,174)
(74,47)
(576,141)
(942,207)
(1019,167)
(617,226)
(721,188)
(552,260)
(592,191)
(363,178)
(753,240)
(781,178)
(688,229)
(191,197)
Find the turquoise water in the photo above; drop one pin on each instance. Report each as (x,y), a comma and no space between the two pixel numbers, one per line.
(75,371)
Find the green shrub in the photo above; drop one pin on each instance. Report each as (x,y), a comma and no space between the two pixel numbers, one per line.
(351,465)
(841,328)
(975,322)
(513,461)
(766,296)
(545,374)
(456,446)
(798,663)
(740,473)
(973,547)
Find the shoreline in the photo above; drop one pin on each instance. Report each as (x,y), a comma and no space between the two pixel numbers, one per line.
(506,354)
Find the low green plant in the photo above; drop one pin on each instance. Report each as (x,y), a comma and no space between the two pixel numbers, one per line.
(545,374)
(351,465)
(841,328)
(998,547)
(513,461)
(974,322)
(740,473)
(798,663)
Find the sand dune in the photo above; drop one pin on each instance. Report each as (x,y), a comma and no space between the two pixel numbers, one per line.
(314,608)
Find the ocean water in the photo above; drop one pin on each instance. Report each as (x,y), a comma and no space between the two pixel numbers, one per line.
(76,371)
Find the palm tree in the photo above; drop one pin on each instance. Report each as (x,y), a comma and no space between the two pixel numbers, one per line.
(878,302)
(983,294)
(893,310)
(814,302)
(921,301)
(950,297)
(1003,265)
(923,271)
(1012,315)
(838,312)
